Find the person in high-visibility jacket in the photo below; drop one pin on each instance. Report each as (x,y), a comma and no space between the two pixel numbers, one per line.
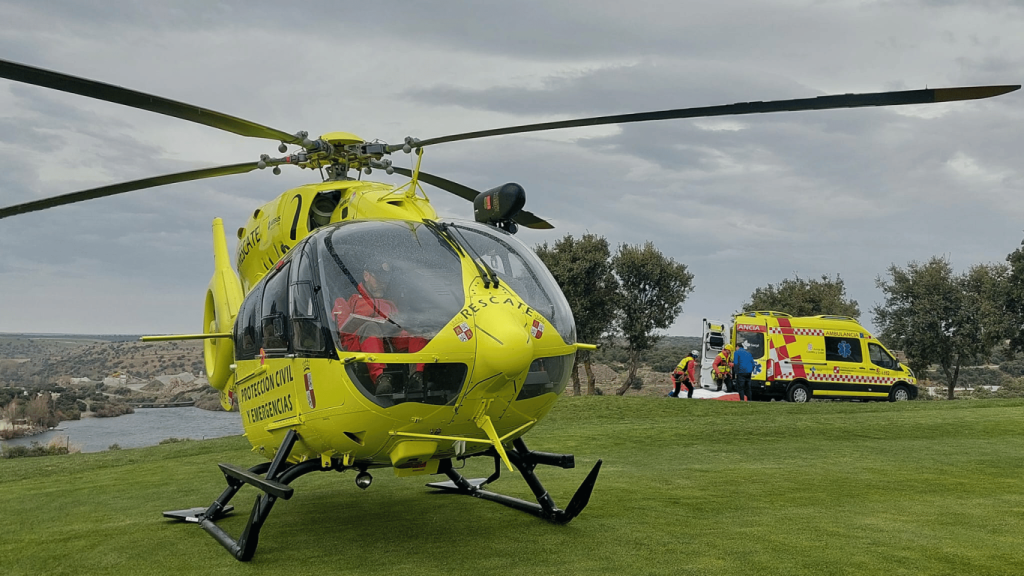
(683,375)
(721,369)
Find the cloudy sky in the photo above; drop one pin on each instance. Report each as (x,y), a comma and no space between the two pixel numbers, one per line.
(742,202)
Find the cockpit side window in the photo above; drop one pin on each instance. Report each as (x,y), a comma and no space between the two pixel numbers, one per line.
(307,328)
(275,313)
(247,343)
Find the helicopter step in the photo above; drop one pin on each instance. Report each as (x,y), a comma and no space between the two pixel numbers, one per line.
(268,486)
(525,461)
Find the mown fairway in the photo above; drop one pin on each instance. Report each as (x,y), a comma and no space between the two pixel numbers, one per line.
(688,487)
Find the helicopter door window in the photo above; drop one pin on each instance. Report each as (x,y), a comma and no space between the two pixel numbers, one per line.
(307,327)
(275,312)
(307,331)
(246,333)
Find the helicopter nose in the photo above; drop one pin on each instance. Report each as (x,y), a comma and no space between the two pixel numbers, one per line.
(505,347)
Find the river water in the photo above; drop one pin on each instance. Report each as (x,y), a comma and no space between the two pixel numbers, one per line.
(146,427)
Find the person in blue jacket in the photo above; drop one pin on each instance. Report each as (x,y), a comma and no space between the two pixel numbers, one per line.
(742,368)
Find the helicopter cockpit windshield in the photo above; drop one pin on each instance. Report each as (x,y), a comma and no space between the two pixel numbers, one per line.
(390,287)
(520,269)
(398,276)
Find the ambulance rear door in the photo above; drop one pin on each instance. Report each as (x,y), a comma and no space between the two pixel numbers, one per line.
(713,339)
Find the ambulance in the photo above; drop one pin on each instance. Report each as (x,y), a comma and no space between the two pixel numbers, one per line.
(799,358)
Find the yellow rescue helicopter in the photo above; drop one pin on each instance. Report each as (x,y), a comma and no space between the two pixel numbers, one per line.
(358,330)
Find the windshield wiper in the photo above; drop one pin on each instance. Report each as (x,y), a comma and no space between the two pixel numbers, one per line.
(490,277)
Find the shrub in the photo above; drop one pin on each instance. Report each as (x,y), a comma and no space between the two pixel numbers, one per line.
(36,449)
(114,446)
(1014,368)
(1013,388)
(174,440)
(112,409)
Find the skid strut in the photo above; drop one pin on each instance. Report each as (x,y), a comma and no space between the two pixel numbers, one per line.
(274,484)
(525,461)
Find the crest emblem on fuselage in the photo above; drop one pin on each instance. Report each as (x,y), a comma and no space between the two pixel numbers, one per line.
(463,332)
(537,330)
(307,378)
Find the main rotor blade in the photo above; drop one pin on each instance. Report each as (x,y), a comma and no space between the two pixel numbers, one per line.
(124,96)
(123,187)
(899,98)
(523,218)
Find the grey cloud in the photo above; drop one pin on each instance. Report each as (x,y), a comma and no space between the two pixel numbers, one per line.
(847,192)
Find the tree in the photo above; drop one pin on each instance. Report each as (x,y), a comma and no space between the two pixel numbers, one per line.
(583,270)
(1014,299)
(40,411)
(938,317)
(651,295)
(800,297)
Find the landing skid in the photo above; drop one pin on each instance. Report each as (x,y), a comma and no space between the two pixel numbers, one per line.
(273,480)
(525,461)
(274,484)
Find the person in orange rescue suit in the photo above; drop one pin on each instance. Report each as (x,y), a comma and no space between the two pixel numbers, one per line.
(369,301)
(683,375)
(721,369)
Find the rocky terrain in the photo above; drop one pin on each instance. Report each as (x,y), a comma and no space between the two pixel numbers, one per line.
(103,375)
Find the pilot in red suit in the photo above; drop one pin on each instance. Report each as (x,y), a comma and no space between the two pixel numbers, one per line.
(369,302)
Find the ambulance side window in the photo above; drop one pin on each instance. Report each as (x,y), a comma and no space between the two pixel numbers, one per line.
(842,349)
(880,357)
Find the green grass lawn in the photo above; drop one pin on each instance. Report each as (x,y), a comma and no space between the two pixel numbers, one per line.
(687,487)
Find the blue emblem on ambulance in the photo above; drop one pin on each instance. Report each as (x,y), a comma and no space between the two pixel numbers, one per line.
(844,349)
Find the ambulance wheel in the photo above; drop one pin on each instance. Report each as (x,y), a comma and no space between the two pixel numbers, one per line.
(798,393)
(899,394)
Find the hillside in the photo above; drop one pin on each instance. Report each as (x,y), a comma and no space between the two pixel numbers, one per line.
(34,361)
(97,375)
